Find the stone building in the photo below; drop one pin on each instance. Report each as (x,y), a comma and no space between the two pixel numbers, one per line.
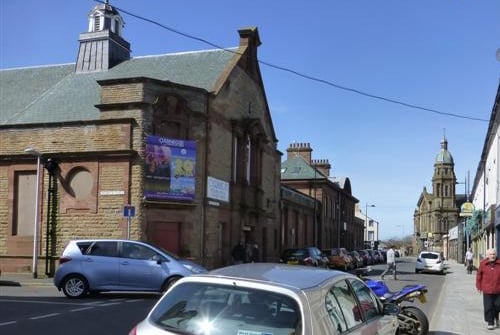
(186,140)
(437,211)
(334,224)
(297,218)
(483,228)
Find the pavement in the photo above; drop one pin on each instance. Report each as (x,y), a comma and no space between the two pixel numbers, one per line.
(458,311)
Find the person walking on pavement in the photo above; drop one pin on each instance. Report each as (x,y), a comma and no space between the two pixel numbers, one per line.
(488,282)
(468,260)
(391,263)
(238,253)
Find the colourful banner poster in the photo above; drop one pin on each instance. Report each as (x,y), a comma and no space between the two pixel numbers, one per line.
(169,169)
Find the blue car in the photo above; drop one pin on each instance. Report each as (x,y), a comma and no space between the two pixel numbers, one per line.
(118,265)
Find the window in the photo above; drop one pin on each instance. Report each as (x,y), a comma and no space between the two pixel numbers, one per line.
(229,309)
(81,183)
(235,159)
(100,248)
(25,196)
(137,251)
(368,303)
(342,308)
(249,159)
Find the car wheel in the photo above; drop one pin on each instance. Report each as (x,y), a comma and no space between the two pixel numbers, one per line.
(75,286)
(168,284)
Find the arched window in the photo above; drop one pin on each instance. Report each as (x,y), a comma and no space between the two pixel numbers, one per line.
(81,183)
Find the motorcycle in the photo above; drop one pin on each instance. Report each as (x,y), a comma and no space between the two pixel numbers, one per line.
(412,320)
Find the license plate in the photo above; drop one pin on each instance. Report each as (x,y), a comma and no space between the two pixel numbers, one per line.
(293,262)
(422,298)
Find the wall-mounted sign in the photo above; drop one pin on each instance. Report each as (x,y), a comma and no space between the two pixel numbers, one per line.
(217,189)
(466,209)
(170,166)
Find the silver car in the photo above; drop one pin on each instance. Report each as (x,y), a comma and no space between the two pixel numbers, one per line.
(430,261)
(118,265)
(267,298)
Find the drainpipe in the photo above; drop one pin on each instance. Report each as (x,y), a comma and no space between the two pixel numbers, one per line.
(204,184)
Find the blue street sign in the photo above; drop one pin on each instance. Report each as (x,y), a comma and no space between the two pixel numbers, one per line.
(128,211)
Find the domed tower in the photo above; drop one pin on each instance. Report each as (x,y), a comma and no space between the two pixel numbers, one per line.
(444,180)
(444,209)
(102,47)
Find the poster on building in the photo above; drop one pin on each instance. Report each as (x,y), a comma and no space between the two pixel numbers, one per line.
(169,169)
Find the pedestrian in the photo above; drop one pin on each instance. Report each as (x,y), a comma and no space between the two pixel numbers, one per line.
(254,257)
(468,260)
(391,263)
(238,253)
(488,282)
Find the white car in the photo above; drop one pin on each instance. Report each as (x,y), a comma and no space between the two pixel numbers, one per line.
(267,298)
(430,261)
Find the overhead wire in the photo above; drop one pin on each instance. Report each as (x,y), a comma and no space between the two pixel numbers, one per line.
(300,74)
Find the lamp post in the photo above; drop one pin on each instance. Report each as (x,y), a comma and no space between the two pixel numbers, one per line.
(37,199)
(366,219)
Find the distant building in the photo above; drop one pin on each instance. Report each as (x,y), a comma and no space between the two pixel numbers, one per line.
(437,211)
(371,229)
(185,139)
(335,224)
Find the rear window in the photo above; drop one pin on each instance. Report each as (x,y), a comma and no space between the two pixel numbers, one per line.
(202,308)
(83,246)
(429,256)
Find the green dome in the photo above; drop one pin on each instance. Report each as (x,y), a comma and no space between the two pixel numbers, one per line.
(444,156)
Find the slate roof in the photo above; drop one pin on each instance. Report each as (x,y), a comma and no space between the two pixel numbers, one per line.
(297,168)
(56,93)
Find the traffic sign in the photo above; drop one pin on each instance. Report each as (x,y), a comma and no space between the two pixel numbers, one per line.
(128,211)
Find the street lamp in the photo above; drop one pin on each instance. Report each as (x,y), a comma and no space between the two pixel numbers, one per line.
(38,155)
(366,219)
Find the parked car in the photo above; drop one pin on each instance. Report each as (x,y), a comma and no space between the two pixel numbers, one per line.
(384,254)
(380,256)
(267,298)
(367,258)
(377,258)
(118,265)
(357,259)
(339,258)
(430,261)
(304,256)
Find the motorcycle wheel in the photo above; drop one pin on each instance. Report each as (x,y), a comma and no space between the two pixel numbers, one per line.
(413,321)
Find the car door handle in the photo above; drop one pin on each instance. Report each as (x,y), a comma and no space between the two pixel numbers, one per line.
(125,263)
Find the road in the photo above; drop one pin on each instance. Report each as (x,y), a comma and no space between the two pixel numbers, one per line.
(55,314)
(406,276)
(36,310)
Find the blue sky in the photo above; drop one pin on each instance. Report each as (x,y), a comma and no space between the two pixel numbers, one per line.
(435,54)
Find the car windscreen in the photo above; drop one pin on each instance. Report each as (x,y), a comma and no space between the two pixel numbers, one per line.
(202,308)
(429,256)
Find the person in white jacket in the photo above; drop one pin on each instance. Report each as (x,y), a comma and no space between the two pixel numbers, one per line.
(391,263)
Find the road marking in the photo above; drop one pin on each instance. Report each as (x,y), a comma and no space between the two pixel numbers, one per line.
(41,302)
(80,309)
(109,304)
(43,316)
(7,323)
